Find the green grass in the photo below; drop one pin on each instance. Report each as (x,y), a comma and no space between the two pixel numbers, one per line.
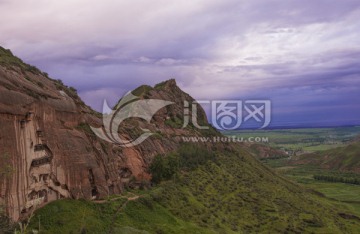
(339,191)
(345,158)
(220,200)
(117,216)
(208,200)
(146,214)
(348,195)
(307,139)
(142,90)
(7,59)
(231,193)
(73,216)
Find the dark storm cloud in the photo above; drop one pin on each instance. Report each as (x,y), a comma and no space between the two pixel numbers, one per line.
(301,54)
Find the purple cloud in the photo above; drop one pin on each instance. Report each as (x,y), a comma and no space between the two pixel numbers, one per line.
(304,55)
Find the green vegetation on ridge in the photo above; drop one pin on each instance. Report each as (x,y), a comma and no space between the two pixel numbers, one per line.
(7,59)
(230,193)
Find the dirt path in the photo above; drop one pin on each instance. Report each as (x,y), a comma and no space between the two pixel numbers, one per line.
(134,197)
(113,199)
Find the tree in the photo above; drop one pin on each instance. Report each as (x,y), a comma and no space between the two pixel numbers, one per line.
(157,169)
(164,167)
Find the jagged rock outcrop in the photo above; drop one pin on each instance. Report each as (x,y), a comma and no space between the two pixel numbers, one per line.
(46,141)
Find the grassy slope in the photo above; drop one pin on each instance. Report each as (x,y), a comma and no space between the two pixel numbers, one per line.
(347,194)
(242,199)
(342,158)
(7,59)
(71,216)
(233,194)
(307,139)
(261,151)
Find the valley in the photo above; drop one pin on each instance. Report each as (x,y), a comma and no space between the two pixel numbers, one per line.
(59,176)
(321,159)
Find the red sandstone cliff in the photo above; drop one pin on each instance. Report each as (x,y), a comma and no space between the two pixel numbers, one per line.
(51,153)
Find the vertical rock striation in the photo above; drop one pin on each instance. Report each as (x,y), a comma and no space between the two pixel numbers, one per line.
(46,141)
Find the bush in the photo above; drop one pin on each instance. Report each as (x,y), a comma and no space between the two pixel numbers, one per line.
(164,167)
(331,178)
(188,156)
(191,155)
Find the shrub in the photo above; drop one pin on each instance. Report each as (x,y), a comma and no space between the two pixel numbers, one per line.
(331,178)
(191,155)
(188,156)
(164,167)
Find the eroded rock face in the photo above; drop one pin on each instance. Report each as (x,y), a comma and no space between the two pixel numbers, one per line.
(46,141)
(48,156)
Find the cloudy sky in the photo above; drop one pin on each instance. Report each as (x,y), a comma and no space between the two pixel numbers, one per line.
(302,55)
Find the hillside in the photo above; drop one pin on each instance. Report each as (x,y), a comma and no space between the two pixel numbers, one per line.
(51,154)
(262,151)
(230,192)
(345,159)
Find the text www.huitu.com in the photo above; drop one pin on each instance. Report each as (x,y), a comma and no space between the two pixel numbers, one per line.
(222,139)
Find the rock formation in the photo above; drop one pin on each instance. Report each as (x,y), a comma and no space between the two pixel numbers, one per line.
(46,141)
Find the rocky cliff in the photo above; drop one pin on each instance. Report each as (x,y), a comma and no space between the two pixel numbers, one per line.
(48,151)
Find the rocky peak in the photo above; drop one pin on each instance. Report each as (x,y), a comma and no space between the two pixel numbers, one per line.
(46,137)
(169,84)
